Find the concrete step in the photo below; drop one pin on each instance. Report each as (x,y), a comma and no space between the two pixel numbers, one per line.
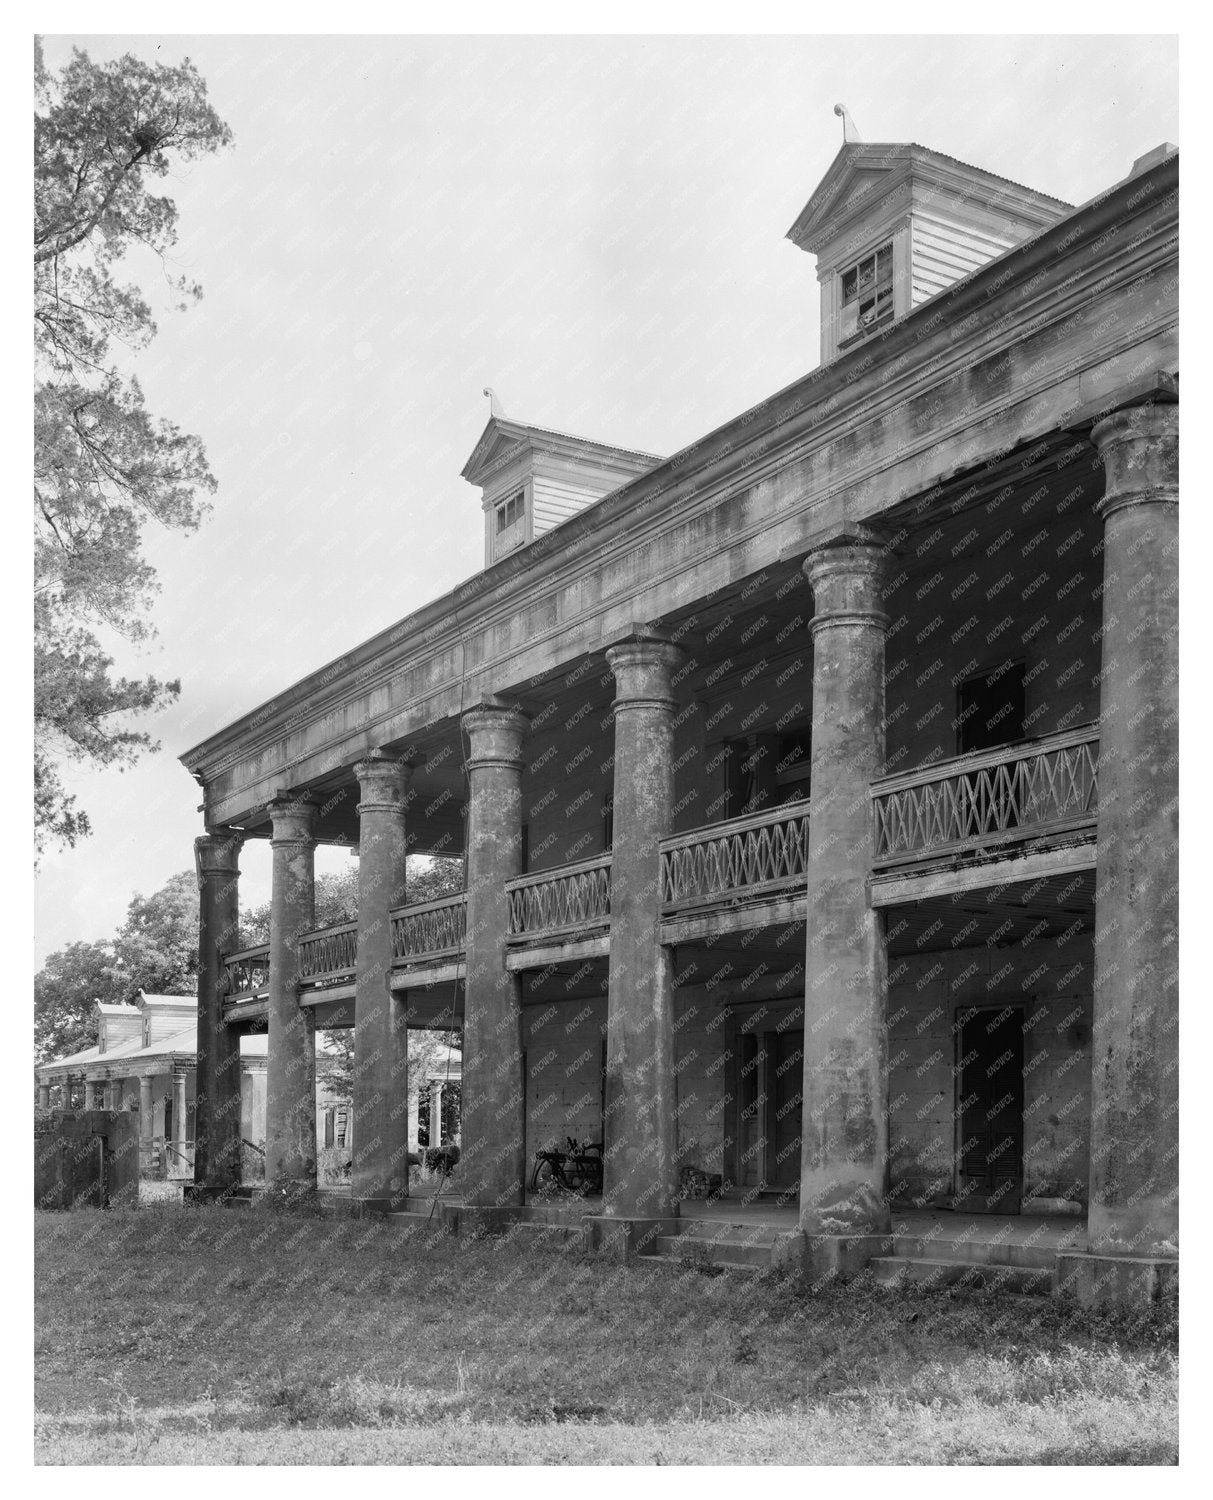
(732,1252)
(722,1231)
(896,1270)
(945,1247)
(554,1235)
(684,1264)
(417,1218)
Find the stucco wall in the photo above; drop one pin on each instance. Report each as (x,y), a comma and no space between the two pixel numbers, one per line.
(926,993)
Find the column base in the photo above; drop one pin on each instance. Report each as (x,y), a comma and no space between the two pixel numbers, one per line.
(1123,1281)
(826,1258)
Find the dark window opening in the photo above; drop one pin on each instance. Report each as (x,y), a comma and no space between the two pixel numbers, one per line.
(991,708)
(608,825)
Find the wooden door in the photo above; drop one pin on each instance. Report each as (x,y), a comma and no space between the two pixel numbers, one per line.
(990,1110)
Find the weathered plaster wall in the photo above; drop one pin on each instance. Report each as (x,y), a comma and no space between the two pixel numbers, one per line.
(564,1044)
(926,993)
(1017,578)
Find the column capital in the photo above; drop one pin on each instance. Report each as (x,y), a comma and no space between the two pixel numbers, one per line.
(217,854)
(848,575)
(383,781)
(496,730)
(642,668)
(1139,447)
(293,820)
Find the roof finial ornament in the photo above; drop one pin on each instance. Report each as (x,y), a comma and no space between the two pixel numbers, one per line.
(495,407)
(849,132)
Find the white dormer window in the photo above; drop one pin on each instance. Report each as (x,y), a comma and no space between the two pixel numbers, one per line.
(510,524)
(867,293)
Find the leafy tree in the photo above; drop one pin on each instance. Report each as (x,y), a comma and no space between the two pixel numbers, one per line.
(155,949)
(103,464)
(64,990)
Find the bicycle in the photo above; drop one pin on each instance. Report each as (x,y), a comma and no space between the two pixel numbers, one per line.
(575,1170)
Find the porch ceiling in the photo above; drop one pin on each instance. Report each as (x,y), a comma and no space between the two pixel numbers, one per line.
(1046,909)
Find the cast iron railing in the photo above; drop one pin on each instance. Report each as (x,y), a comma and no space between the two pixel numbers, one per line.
(988,799)
(760,855)
(569,899)
(328,953)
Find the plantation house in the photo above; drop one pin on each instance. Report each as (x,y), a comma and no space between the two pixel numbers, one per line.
(817,785)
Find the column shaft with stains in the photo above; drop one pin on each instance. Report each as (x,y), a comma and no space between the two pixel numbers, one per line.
(492,1160)
(381,1085)
(844,1125)
(1134,1207)
(290,1085)
(217,1165)
(640,1147)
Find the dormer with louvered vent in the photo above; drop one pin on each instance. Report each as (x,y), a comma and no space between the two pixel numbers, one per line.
(532,479)
(893,225)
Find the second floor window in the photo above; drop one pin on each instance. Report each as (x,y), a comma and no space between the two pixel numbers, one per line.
(867,292)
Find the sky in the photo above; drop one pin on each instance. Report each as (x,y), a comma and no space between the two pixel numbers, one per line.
(594,226)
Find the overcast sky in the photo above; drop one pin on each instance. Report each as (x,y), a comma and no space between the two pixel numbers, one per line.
(593,226)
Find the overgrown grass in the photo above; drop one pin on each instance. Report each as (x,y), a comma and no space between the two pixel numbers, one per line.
(210,1336)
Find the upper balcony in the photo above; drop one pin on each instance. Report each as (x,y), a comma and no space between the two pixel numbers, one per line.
(1035,798)
(1033,801)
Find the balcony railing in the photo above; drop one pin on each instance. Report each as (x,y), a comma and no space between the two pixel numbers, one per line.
(763,854)
(246,973)
(571,898)
(329,953)
(989,799)
(431,929)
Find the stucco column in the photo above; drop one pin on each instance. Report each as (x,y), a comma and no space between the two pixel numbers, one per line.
(844,1122)
(290,1087)
(44,1096)
(435,1113)
(492,1160)
(1134,1207)
(640,1131)
(90,1093)
(217,1103)
(180,1137)
(381,1085)
(146,1108)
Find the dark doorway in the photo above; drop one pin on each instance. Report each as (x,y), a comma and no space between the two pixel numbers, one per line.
(770,1080)
(991,708)
(989,1109)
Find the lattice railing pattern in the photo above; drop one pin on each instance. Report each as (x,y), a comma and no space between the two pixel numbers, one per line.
(328,953)
(430,928)
(570,898)
(247,972)
(988,799)
(758,855)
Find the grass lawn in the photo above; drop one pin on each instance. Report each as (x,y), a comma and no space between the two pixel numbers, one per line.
(200,1335)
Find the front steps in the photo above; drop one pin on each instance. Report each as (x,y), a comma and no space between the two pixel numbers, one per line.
(992,1265)
(709,1244)
(896,1271)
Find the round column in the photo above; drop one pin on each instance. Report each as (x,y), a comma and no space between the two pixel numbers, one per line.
(146,1110)
(844,1122)
(640,1131)
(180,1136)
(44,1095)
(217,1166)
(290,1086)
(492,1156)
(90,1093)
(381,1086)
(1134,1207)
